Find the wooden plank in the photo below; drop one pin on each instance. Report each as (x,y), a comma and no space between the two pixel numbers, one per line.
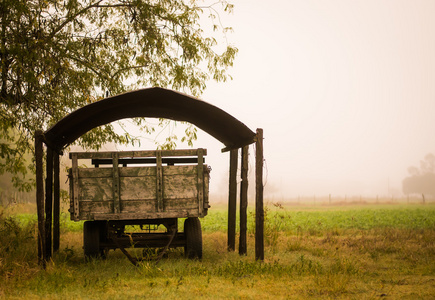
(183,152)
(179,170)
(143,161)
(48,203)
(109,154)
(180,204)
(39,165)
(180,186)
(138,206)
(131,154)
(243,201)
(137,216)
(88,208)
(137,171)
(97,189)
(259,209)
(232,200)
(133,188)
(95,173)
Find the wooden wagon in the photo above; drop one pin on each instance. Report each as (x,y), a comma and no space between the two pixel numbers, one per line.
(144,188)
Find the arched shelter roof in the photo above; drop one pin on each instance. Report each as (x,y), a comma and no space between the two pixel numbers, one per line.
(151,103)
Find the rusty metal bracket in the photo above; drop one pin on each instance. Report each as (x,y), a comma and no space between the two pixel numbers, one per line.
(133,260)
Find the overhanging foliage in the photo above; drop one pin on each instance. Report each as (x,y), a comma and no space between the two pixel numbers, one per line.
(57,56)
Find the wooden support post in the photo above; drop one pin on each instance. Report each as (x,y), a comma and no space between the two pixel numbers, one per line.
(48,203)
(56,202)
(39,165)
(232,200)
(259,209)
(243,201)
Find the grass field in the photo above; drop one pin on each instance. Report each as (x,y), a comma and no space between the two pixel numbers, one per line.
(312,252)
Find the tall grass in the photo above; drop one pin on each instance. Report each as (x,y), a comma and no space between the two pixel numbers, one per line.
(18,248)
(317,253)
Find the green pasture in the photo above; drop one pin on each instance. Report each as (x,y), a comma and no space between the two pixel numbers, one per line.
(315,252)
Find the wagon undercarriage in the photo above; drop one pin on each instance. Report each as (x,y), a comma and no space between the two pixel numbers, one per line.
(101,236)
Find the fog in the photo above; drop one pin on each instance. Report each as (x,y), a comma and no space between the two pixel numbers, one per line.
(344,90)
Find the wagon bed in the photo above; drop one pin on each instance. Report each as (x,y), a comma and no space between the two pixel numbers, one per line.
(139,185)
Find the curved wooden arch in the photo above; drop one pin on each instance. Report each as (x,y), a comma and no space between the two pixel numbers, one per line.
(156,103)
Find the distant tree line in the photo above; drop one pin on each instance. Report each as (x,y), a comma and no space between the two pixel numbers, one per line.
(422,178)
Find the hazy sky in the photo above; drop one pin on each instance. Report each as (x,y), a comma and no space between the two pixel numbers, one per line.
(344,90)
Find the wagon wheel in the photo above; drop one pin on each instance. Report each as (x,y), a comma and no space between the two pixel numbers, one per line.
(93,233)
(193,233)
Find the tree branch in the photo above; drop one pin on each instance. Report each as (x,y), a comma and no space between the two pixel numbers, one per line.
(71,18)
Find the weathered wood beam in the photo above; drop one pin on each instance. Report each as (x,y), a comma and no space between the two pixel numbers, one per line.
(259,209)
(75,189)
(200,182)
(136,154)
(48,203)
(39,165)
(159,183)
(243,201)
(232,200)
(56,202)
(116,185)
